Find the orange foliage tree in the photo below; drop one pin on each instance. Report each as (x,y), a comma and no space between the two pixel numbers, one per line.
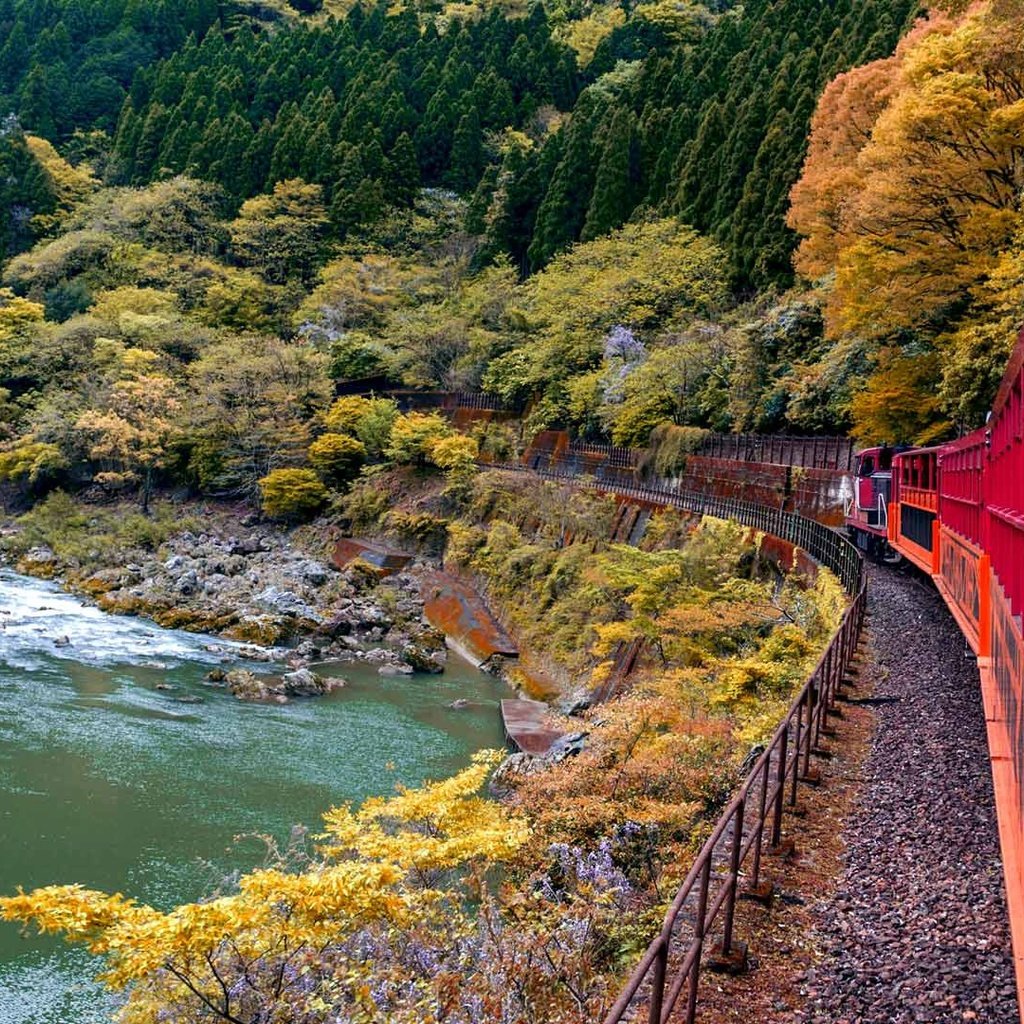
(910,198)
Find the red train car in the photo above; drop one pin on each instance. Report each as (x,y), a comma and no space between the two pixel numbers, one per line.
(956,511)
(914,507)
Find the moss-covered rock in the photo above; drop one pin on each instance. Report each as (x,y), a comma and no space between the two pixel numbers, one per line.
(264,630)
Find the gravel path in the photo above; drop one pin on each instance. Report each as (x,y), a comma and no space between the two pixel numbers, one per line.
(916,929)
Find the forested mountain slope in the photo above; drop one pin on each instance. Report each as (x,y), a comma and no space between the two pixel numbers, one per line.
(703,114)
(582,209)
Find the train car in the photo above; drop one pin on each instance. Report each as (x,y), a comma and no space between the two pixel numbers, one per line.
(913,520)
(957,512)
(867,509)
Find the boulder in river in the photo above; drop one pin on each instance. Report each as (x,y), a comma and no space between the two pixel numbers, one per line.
(246,685)
(395,669)
(304,683)
(422,660)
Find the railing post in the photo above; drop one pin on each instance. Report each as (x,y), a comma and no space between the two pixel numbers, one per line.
(797,741)
(755,867)
(701,930)
(734,877)
(658,983)
(812,691)
(780,786)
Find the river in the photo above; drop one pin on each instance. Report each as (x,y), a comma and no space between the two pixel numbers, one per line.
(108,781)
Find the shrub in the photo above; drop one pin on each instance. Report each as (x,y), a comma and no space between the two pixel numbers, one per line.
(363,506)
(337,457)
(369,419)
(414,435)
(291,493)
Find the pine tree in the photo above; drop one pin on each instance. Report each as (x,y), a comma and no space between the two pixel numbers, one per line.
(403,172)
(617,181)
(467,154)
(37,108)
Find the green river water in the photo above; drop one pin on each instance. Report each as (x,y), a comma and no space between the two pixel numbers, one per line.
(107,781)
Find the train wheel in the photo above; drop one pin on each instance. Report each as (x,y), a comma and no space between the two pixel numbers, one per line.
(890,556)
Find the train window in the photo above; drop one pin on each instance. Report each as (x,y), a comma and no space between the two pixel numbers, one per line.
(867,465)
(885,458)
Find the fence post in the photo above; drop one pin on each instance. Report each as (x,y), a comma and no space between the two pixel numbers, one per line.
(734,877)
(780,786)
(701,930)
(658,982)
(797,739)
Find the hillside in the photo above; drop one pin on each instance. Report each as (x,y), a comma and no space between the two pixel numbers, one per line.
(248,251)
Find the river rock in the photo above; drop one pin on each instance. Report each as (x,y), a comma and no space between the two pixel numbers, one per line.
(337,625)
(565,747)
(308,571)
(395,669)
(303,683)
(307,649)
(246,685)
(285,602)
(255,654)
(512,769)
(424,661)
(187,583)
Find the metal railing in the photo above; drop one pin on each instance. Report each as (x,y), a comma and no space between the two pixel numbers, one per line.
(822,543)
(730,863)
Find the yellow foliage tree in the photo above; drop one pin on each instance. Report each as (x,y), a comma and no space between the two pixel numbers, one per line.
(71,185)
(227,958)
(131,436)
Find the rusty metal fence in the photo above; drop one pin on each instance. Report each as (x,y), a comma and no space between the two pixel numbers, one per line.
(698,931)
(782,449)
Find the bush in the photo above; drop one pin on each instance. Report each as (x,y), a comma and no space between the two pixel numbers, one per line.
(369,419)
(670,446)
(291,493)
(337,457)
(364,506)
(414,435)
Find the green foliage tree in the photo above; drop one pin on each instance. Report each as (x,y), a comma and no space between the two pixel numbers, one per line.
(369,419)
(282,234)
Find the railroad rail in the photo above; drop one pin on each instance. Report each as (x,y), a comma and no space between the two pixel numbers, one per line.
(730,864)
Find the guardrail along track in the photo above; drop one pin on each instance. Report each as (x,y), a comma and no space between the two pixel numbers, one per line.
(698,929)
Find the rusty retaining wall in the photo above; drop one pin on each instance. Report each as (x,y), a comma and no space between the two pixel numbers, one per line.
(818,494)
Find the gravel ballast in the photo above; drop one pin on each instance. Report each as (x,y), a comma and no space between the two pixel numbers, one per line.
(916,929)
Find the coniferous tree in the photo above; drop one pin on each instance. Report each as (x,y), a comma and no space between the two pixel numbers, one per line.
(617,179)
(403,172)
(467,154)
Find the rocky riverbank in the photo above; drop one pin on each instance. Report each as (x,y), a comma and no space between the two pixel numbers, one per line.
(259,586)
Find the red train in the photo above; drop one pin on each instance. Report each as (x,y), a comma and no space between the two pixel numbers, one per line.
(956,511)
